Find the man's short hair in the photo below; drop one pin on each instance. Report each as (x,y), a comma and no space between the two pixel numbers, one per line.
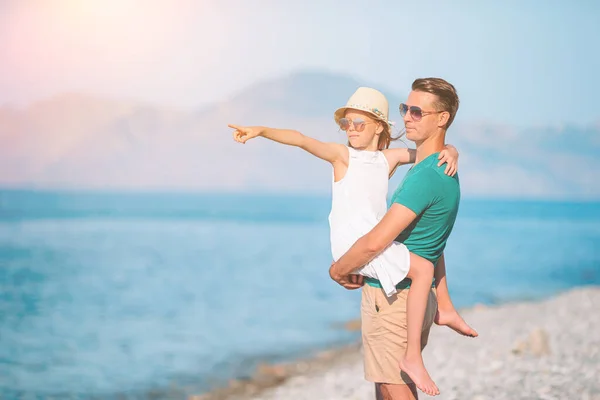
(445,92)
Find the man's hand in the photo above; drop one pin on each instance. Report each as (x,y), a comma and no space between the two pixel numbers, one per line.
(349,282)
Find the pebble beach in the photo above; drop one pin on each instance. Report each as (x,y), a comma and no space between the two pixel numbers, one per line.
(548,349)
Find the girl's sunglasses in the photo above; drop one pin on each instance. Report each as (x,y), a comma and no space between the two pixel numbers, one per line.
(359,124)
(415,112)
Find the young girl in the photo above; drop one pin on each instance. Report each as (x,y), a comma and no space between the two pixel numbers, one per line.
(360,186)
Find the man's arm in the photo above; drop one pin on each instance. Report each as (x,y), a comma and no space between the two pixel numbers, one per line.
(416,194)
(397,218)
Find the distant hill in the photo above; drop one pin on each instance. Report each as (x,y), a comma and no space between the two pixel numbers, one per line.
(79,141)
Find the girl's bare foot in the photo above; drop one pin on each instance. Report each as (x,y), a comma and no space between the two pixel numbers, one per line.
(417,372)
(453,320)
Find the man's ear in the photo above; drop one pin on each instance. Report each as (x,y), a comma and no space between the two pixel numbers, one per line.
(443,118)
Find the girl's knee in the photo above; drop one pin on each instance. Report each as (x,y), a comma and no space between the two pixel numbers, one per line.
(420,267)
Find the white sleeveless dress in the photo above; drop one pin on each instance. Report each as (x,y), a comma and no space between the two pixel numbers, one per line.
(358,204)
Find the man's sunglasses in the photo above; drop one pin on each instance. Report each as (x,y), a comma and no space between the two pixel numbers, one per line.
(416,113)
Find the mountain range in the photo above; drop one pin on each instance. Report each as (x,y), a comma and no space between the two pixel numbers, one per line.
(78,141)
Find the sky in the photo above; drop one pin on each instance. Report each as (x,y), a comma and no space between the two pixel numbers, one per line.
(522,63)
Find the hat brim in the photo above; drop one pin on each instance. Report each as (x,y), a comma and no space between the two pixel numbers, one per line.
(339,114)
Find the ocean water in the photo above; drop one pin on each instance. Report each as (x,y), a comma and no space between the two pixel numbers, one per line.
(114,295)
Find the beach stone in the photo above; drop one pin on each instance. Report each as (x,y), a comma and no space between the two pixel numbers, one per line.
(235,384)
(269,375)
(271,370)
(326,355)
(538,342)
(520,347)
(303,367)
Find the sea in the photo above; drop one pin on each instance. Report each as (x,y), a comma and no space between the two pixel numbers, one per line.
(141,295)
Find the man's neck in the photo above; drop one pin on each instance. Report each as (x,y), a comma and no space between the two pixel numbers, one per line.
(429,146)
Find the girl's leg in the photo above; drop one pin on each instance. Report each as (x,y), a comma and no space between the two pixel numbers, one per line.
(421,274)
(447,314)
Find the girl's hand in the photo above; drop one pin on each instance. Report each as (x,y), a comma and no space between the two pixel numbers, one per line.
(449,156)
(244,133)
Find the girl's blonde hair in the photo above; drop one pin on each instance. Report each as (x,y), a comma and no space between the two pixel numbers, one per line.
(385,137)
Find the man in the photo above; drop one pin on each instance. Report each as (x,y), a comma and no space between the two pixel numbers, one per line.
(422,215)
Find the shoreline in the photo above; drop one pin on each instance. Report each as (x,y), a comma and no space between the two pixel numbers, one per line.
(272,375)
(520,354)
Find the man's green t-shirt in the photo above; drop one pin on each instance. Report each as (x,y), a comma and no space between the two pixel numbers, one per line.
(434,197)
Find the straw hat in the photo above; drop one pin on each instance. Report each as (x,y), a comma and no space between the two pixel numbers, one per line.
(368,100)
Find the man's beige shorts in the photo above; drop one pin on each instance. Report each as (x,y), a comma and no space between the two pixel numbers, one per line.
(384,333)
